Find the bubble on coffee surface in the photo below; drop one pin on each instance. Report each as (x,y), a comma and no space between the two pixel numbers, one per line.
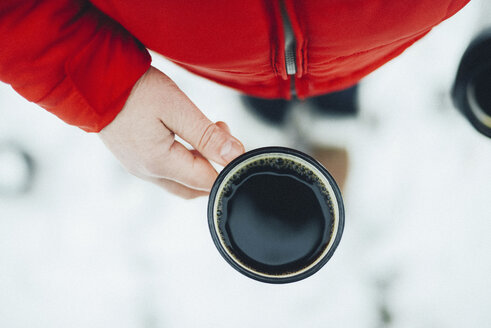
(301,173)
(275,163)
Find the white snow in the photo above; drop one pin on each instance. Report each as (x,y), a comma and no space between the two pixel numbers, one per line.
(92,246)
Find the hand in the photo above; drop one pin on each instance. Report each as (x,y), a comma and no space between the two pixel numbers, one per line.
(142,138)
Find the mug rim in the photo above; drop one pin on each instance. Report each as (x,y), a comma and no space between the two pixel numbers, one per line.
(266,278)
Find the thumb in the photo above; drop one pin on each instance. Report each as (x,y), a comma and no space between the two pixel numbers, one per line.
(181,116)
(213,140)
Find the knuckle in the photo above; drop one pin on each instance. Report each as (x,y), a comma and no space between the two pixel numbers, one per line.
(210,135)
(133,171)
(136,174)
(155,163)
(153,167)
(188,196)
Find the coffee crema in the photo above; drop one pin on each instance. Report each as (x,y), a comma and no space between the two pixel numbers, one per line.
(276,215)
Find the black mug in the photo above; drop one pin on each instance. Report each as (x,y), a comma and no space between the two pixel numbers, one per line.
(276,215)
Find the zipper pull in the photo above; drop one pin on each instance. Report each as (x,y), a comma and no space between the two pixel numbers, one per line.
(290,59)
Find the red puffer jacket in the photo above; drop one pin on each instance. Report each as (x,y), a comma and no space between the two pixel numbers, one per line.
(80,59)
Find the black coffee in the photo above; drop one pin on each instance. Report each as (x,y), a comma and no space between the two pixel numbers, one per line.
(275,216)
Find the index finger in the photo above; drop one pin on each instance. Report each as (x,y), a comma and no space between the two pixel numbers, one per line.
(211,140)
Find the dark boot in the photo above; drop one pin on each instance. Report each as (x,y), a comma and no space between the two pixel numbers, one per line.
(271,111)
(340,103)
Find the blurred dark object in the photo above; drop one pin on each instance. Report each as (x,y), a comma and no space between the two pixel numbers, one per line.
(471,92)
(271,111)
(16,170)
(341,103)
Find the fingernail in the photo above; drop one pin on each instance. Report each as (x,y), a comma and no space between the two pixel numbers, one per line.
(230,150)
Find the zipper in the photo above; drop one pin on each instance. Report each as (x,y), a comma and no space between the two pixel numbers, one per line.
(289,47)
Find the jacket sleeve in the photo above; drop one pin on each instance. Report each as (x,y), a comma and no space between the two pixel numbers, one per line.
(69,58)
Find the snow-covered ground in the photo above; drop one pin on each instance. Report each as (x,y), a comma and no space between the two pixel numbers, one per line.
(92,246)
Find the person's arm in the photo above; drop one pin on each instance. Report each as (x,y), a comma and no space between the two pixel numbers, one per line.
(79,64)
(69,58)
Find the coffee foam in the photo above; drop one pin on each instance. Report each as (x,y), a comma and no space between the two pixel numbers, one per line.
(303,168)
